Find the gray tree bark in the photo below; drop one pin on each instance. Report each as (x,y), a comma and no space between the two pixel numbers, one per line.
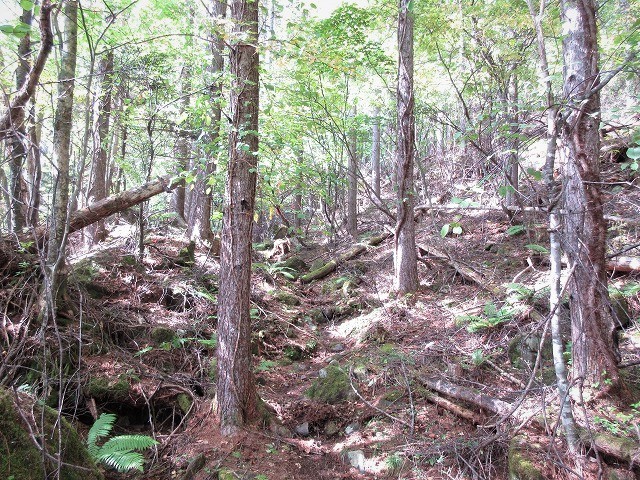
(595,346)
(237,400)
(200,218)
(352,177)
(375,154)
(98,187)
(18,140)
(405,258)
(61,154)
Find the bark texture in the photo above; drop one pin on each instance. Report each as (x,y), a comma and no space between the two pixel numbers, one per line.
(595,347)
(18,139)
(98,189)
(375,154)
(237,400)
(405,257)
(61,154)
(15,114)
(352,177)
(199,224)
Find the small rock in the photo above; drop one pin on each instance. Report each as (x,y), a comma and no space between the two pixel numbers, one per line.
(352,427)
(303,429)
(337,347)
(331,428)
(356,459)
(323,373)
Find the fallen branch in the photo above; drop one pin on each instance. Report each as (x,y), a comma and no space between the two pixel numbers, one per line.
(466,272)
(117,203)
(494,405)
(624,264)
(454,408)
(331,266)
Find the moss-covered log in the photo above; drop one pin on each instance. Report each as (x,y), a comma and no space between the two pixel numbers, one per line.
(331,266)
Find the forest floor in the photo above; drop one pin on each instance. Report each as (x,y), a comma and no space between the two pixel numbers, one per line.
(344,366)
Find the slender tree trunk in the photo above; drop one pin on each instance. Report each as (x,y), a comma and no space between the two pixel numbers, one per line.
(554,192)
(297,195)
(200,220)
(183,147)
(352,174)
(375,154)
(18,140)
(98,188)
(595,346)
(61,153)
(237,400)
(34,167)
(405,257)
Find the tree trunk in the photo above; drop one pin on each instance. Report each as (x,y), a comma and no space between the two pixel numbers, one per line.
(98,188)
(595,346)
(182,148)
(237,400)
(61,154)
(554,189)
(200,220)
(18,140)
(405,259)
(35,167)
(375,154)
(14,114)
(352,175)
(297,194)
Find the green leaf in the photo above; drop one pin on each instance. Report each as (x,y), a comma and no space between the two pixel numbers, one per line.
(633,153)
(457,230)
(26,4)
(8,29)
(515,229)
(139,353)
(444,231)
(535,174)
(537,248)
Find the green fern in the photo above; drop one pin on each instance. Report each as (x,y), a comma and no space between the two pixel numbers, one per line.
(122,452)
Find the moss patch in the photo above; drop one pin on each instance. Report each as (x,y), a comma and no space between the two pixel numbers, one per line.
(521,467)
(332,386)
(21,460)
(103,389)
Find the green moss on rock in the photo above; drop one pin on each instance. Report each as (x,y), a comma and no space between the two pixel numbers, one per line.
(521,467)
(103,389)
(162,335)
(286,298)
(21,460)
(331,386)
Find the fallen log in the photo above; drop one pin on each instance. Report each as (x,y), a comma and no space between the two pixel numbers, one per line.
(465,271)
(624,264)
(622,449)
(331,266)
(116,203)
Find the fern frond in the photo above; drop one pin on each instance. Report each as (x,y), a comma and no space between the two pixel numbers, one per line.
(122,461)
(127,442)
(100,428)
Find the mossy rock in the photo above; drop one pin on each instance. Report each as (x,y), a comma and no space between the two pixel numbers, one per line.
(226,474)
(161,335)
(286,298)
(261,247)
(186,256)
(620,307)
(185,402)
(294,263)
(85,271)
(104,389)
(21,460)
(521,466)
(331,386)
